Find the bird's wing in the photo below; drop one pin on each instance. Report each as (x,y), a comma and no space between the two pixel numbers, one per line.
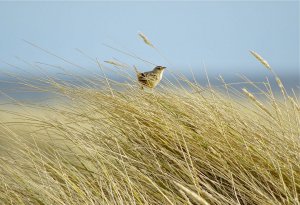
(148,76)
(149,79)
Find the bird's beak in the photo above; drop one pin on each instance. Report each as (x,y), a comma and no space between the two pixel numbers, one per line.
(164,67)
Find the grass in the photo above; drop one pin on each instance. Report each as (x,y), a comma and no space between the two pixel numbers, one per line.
(118,144)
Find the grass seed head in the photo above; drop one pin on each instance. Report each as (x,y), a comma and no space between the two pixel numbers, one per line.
(260,59)
(115,63)
(145,39)
(280,85)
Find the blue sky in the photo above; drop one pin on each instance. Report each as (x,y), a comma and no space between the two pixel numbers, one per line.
(220,34)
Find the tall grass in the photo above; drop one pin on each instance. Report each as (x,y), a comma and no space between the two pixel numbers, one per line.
(176,145)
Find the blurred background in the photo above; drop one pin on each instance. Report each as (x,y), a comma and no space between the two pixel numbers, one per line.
(188,36)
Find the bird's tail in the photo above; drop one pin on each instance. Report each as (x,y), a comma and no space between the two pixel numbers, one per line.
(138,75)
(136,71)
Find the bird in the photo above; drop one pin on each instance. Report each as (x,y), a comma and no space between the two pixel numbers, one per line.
(150,79)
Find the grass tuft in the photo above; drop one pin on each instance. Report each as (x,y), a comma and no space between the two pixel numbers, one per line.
(117,144)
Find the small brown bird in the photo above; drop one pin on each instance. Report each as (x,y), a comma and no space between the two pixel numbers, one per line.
(150,79)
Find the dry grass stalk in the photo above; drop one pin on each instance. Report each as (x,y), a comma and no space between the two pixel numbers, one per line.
(295,104)
(185,197)
(192,194)
(259,104)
